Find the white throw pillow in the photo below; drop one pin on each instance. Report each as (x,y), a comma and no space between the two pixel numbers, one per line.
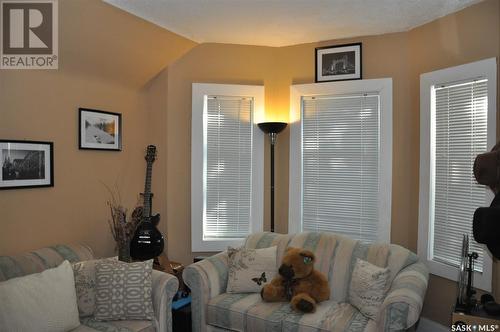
(368,287)
(250,269)
(40,302)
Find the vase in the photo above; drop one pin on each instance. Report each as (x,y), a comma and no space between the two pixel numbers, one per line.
(124,252)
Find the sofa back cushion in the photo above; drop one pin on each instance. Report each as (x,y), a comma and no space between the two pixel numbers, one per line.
(42,259)
(336,255)
(266,240)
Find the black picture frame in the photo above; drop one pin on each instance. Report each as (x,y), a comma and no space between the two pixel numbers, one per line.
(101,119)
(349,56)
(13,166)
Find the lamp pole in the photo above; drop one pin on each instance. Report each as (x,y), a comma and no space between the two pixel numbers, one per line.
(272,129)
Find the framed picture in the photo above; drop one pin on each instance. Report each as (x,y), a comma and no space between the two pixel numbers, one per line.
(26,164)
(338,63)
(99,130)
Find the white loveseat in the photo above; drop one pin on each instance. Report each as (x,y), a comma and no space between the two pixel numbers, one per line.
(215,310)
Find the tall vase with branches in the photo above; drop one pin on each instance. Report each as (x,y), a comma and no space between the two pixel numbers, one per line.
(122,229)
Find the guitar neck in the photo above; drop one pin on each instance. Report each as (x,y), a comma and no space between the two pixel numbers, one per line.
(147,191)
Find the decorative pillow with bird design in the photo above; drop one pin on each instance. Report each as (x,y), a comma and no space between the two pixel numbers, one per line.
(250,269)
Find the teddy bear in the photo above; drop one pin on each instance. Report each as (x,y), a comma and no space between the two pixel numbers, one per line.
(298,282)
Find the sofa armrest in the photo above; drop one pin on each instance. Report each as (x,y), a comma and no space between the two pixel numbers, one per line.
(206,279)
(164,288)
(403,304)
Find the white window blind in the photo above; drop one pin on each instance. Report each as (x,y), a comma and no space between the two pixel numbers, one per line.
(227,173)
(461,123)
(340,165)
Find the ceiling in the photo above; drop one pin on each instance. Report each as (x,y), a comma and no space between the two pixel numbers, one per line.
(287,22)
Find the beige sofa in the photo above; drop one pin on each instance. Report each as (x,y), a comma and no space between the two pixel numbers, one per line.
(215,310)
(164,287)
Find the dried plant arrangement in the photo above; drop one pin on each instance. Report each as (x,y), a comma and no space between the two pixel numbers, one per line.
(122,229)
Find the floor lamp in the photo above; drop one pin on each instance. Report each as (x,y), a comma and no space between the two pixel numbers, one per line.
(272,129)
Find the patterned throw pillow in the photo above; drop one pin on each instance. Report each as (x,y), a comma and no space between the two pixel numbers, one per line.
(368,287)
(250,269)
(85,286)
(123,291)
(84,273)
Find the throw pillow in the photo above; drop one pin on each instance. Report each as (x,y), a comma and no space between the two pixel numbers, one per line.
(40,302)
(85,285)
(368,287)
(123,290)
(250,269)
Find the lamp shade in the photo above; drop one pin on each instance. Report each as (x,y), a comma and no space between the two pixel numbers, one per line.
(272,127)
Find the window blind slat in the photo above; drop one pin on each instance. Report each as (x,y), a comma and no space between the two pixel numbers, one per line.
(460,134)
(340,165)
(228,169)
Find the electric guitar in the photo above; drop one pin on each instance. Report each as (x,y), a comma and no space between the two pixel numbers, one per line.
(148,241)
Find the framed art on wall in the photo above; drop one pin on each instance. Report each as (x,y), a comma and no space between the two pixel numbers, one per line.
(338,63)
(99,130)
(26,164)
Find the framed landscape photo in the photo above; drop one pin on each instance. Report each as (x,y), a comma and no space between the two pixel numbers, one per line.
(26,164)
(99,130)
(338,63)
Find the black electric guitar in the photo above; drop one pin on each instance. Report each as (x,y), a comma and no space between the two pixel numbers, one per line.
(148,241)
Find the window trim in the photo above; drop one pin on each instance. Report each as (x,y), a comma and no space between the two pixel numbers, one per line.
(480,69)
(383,86)
(200,91)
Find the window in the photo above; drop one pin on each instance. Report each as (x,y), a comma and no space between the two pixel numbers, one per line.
(341,158)
(458,122)
(227,165)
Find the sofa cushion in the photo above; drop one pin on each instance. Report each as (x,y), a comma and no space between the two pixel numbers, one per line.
(246,312)
(329,316)
(123,290)
(42,259)
(40,302)
(90,324)
(266,240)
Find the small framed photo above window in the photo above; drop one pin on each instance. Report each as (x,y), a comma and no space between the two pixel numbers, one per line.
(99,130)
(338,63)
(26,164)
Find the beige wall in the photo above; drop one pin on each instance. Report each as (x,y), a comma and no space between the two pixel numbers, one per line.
(276,69)
(383,56)
(106,56)
(215,63)
(155,98)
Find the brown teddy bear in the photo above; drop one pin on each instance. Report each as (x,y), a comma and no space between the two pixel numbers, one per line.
(298,282)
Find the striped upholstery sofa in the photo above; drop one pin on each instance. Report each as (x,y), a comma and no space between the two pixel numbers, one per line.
(164,286)
(213,309)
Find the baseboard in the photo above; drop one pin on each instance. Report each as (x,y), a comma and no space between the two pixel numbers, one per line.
(427,325)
